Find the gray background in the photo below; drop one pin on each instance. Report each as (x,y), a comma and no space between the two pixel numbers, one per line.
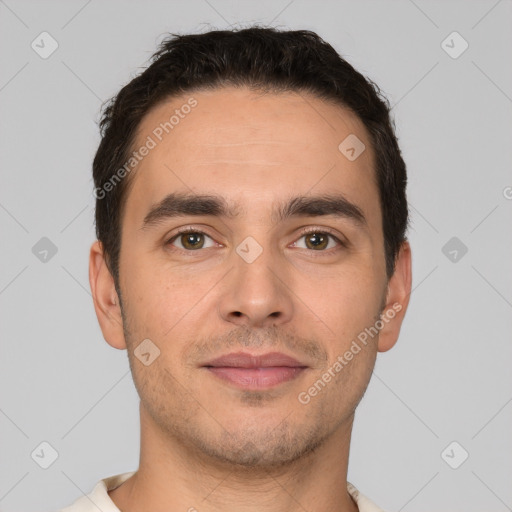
(448,378)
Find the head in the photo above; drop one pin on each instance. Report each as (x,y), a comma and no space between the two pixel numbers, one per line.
(281,161)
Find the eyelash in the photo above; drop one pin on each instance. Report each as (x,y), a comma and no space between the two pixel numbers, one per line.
(303,233)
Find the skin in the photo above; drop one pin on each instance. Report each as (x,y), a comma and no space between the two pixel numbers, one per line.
(205,443)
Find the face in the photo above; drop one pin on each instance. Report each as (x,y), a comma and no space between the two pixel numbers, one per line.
(259,271)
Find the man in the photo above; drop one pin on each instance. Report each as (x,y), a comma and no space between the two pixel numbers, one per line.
(251,257)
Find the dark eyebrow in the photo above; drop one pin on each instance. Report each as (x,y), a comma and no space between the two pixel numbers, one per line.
(180,204)
(315,206)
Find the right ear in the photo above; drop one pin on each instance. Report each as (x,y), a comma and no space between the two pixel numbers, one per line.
(104,295)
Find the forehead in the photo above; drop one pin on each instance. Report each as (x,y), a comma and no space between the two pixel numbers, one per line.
(251,148)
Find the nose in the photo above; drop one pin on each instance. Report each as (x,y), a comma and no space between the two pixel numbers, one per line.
(256,294)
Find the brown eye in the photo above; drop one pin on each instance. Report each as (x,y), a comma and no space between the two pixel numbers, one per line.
(316,240)
(190,240)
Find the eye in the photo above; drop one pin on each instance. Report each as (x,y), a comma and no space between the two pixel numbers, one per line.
(190,240)
(318,240)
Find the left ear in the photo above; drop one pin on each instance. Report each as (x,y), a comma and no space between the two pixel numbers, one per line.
(397,299)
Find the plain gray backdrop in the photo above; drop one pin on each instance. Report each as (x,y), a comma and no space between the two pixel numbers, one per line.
(442,394)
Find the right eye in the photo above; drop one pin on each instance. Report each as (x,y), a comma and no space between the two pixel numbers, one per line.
(190,240)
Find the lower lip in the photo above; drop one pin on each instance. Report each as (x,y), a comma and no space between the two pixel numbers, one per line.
(256,378)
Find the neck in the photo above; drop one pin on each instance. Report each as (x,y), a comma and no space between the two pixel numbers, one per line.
(172,476)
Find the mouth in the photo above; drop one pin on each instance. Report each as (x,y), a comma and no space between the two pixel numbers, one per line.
(255,372)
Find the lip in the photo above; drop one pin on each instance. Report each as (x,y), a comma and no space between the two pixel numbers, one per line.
(250,371)
(246,360)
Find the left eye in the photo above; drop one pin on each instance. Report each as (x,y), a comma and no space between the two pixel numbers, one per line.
(316,240)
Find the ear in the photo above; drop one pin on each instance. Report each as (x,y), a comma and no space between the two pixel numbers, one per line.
(397,299)
(106,301)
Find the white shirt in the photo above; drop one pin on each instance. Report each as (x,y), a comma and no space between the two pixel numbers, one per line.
(99,499)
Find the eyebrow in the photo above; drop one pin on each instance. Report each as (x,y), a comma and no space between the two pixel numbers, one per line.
(182,204)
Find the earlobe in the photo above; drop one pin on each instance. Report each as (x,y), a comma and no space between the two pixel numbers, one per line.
(397,300)
(106,301)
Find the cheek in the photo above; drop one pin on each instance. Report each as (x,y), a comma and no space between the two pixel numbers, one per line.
(345,300)
(150,285)
(166,305)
